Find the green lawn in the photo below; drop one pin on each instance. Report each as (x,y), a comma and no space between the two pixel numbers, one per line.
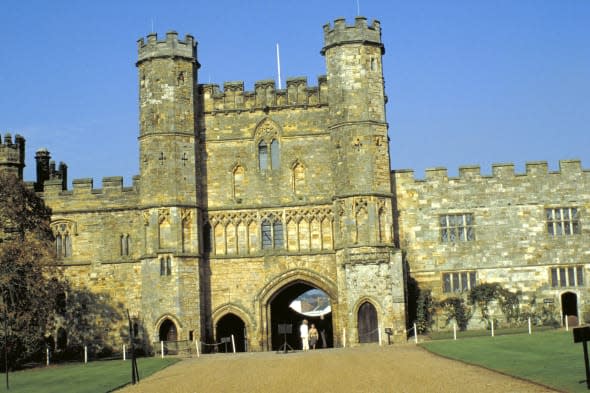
(550,358)
(94,377)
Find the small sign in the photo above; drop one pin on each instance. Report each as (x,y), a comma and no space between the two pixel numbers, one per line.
(548,301)
(581,334)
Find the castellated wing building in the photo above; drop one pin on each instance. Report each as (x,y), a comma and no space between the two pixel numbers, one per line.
(247,199)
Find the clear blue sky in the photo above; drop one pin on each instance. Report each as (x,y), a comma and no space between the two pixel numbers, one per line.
(469,82)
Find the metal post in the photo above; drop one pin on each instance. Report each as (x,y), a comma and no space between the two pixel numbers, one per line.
(454,331)
(529,325)
(584,343)
(567,327)
(415,334)
(47,356)
(233,343)
(124,353)
(492,328)
(162,348)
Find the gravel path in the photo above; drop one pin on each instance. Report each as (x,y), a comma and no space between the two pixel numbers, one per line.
(370,368)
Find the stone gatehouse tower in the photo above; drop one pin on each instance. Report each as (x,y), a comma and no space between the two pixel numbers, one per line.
(244,200)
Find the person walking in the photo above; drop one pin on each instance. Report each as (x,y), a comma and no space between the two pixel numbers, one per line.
(304,333)
(313,336)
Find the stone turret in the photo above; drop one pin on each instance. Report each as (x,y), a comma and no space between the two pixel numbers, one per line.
(362,187)
(167,88)
(12,155)
(359,130)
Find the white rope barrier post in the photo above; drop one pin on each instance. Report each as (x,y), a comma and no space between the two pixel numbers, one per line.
(124,353)
(379,333)
(454,331)
(415,334)
(529,326)
(492,328)
(233,343)
(85,354)
(197,346)
(162,349)
(567,327)
(47,355)
(343,337)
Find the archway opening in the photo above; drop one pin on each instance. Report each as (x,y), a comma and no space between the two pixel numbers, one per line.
(284,312)
(168,331)
(569,308)
(368,323)
(228,325)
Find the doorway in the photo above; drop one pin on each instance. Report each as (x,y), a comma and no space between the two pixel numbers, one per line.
(368,323)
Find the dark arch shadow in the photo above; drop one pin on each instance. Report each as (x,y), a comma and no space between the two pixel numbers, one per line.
(228,325)
(281,313)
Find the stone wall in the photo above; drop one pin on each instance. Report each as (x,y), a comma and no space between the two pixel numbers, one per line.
(511,244)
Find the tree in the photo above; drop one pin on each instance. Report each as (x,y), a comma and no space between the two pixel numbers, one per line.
(29,277)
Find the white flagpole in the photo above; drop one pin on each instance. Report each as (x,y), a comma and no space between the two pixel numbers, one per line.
(279,65)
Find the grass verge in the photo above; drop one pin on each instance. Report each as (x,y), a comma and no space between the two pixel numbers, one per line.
(94,377)
(550,358)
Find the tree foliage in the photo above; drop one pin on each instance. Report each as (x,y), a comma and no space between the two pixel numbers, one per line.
(29,277)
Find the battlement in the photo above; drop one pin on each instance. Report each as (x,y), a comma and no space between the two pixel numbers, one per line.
(265,95)
(84,187)
(171,47)
(360,32)
(499,171)
(12,154)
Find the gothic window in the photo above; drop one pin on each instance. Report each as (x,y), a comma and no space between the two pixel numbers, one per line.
(168,266)
(238,180)
(456,228)
(382,226)
(567,276)
(165,266)
(268,155)
(277,234)
(124,244)
(262,156)
(266,234)
(63,239)
(272,234)
(274,155)
(458,281)
(162,267)
(563,221)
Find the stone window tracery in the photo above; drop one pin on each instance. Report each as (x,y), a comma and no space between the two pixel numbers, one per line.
(63,231)
(459,281)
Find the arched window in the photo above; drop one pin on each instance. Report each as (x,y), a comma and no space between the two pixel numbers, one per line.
(124,244)
(262,156)
(266,234)
(277,234)
(274,155)
(58,246)
(272,234)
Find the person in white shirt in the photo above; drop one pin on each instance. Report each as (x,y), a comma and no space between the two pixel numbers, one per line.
(304,333)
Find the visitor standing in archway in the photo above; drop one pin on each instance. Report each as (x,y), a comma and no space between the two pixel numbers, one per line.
(304,333)
(313,336)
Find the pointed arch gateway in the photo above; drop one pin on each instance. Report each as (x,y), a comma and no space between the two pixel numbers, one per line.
(275,300)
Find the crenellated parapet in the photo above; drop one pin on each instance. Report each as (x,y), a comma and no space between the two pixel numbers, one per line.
(297,94)
(84,195)
(359,32)
(171,47)
(12,154)
(500,171)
